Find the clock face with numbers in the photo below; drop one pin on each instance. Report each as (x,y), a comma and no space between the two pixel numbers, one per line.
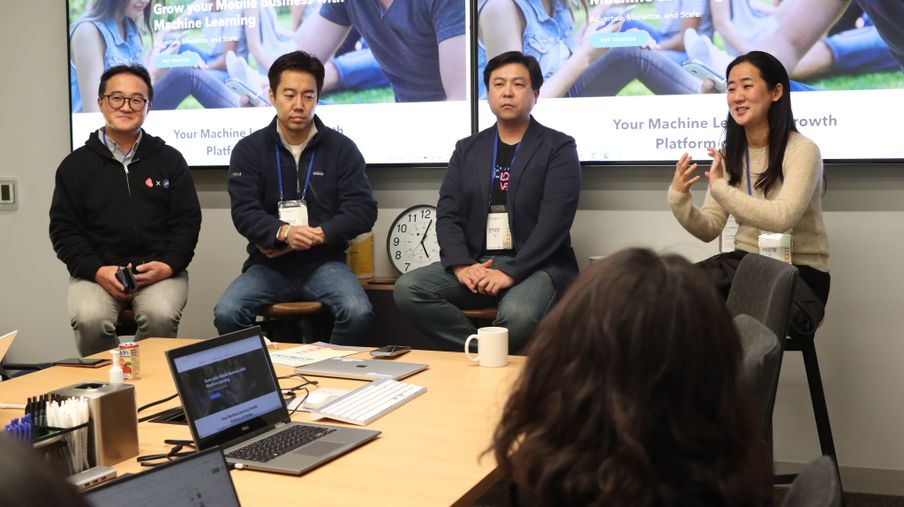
(411,242)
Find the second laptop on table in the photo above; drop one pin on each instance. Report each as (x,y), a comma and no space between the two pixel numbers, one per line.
(232,399)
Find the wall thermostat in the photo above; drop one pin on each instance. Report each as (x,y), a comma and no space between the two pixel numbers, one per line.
(8,197)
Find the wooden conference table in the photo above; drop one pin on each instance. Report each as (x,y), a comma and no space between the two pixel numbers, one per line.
(428,454)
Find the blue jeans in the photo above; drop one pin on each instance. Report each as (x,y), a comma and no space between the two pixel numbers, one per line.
(860,50)
(433,299)
(180,82)
(332,284)
(608,74)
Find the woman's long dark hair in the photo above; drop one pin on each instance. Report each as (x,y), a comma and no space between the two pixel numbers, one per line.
(106,9)
(632,395)
(781,124)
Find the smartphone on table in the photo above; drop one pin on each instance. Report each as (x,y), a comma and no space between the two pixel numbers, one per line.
(390,351)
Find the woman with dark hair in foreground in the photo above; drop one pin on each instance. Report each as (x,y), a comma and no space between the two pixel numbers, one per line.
(27,481)
(631,395)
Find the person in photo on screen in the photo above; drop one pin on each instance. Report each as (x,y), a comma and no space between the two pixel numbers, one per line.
(796,35)
(633,394)
(351,68)
(125,198)
(572,66)
(420,44)
(675,18)
(299,193)
(506,205)
(744,27)
(219,34)
(766,175)
(109,34)
(28,480)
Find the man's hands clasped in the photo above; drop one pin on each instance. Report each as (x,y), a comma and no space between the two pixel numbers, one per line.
(480,278)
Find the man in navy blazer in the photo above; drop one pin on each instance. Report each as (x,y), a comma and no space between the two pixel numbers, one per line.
(505,209)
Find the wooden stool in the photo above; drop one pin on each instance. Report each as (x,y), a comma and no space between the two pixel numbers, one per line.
(479,316)
(125,323)
(311,314)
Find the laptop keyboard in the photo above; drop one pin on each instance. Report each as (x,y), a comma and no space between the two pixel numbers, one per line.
(280,443)
(370,401)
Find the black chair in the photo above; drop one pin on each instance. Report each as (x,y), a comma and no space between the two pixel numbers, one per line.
(761,364)
(763,288)
(816,486)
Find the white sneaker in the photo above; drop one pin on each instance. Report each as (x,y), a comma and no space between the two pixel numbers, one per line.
(239,69)
(718,58)
(694,46)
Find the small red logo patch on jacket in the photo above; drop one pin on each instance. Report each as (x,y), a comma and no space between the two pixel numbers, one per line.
(149,182)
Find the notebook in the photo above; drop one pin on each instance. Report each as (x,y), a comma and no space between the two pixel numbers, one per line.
(6,342)
(232,399)
(199,479)
(360,369)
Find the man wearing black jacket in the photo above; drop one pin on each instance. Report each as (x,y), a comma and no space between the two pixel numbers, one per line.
(124,199)
(299,194)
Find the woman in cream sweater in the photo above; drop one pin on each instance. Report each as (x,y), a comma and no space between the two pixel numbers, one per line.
(769,177)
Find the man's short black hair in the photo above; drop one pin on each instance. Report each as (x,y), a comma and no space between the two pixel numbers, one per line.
(533,67)
(298,61)
(136,70)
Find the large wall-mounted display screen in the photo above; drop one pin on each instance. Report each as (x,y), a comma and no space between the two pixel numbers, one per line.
(643,81)
(397,71)
(633,81)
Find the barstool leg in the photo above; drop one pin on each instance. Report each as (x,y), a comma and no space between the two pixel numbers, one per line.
(818,398)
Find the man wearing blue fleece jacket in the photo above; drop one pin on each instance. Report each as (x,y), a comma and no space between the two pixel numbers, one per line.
(299,193)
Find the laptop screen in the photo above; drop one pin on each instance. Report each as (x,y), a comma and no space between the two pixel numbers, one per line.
(227,386)
(199,479)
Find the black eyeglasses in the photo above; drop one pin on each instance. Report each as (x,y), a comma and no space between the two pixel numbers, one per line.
(117,101)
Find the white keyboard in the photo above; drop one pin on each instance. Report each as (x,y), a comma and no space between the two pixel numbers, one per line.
(369,401)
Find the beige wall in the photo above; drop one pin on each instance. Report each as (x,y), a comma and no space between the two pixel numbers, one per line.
(860,344)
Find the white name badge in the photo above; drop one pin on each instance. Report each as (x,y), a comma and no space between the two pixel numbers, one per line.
(499,236)
(294,213)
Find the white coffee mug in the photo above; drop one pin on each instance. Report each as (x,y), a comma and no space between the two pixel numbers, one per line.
(492,347)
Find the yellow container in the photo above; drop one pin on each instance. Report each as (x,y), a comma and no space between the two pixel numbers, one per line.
(360,255)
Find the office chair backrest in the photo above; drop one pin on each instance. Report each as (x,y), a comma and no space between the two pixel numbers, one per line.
(763,288)
(816,486)
(762,362)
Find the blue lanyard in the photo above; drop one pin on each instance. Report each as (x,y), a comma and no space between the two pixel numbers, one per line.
(493,170)
(307,179)
(749,191)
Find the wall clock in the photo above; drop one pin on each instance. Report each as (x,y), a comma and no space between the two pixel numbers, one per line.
(411,242)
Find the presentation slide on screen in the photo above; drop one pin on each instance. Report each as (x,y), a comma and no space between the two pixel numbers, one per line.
(656,86)
(227,385)
(396,78)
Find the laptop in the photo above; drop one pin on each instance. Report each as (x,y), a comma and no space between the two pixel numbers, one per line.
(6,342)
(360,369)
(198,479)
(232,399)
